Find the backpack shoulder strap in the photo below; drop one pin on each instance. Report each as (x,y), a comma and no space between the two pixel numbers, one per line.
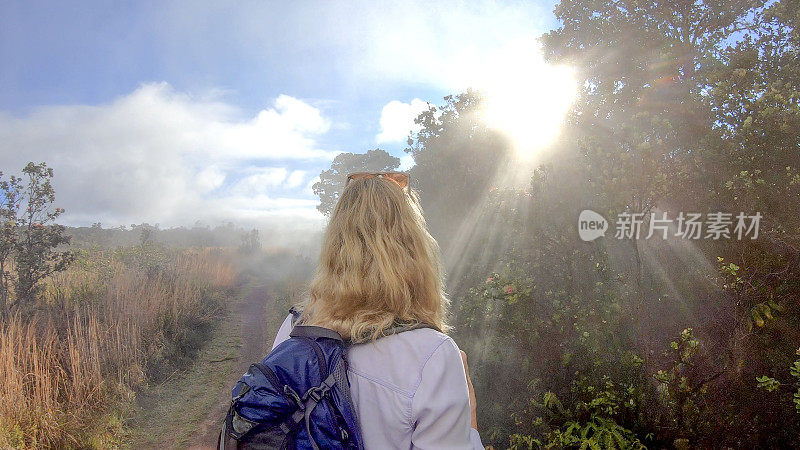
(408,327)
(314,332)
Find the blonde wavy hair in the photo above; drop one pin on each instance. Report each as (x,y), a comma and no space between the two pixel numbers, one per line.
(379,266)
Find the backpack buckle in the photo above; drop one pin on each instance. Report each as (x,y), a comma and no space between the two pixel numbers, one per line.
(294,396)
(317,393)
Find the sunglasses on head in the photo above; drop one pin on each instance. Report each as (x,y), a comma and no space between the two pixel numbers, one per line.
(400,178)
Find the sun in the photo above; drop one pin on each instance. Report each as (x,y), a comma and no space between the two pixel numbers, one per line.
(524,97)
(529,105)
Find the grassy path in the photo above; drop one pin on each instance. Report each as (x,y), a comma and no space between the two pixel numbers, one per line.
(186,412)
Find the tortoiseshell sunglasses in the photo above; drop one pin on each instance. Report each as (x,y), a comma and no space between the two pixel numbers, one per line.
(400,178)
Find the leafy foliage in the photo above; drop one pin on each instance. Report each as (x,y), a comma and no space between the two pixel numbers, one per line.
(771,384)
(30,235)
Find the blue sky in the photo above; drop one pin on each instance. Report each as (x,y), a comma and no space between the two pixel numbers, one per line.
(171,112)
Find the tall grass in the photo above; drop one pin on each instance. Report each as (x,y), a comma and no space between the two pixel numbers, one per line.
(114,320)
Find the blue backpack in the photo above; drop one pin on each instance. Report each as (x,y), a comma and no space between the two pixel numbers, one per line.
(298,397)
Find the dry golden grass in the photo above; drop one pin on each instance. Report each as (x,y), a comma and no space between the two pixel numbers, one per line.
(98,328)
(31,376)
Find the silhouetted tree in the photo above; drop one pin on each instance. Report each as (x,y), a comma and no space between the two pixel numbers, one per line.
(331,181)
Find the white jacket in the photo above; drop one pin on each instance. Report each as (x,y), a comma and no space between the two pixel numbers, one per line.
(409,391)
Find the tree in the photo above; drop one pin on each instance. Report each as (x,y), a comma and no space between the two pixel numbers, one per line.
(36,236)
(457,158)
(250,242)
(331,181)
(147,233)
(12,197)
(641,117)
(693,106)
(757,97)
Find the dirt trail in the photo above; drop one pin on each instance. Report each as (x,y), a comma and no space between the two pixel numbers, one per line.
(186,412)
(257,332)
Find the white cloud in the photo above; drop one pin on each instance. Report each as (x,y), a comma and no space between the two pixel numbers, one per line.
(260,181)
(295,179)
(209,179)
(263,180)
(397,120)
(161,156)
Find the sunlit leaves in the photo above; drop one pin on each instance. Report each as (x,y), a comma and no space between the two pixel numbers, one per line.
(771,384)
(768,383)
